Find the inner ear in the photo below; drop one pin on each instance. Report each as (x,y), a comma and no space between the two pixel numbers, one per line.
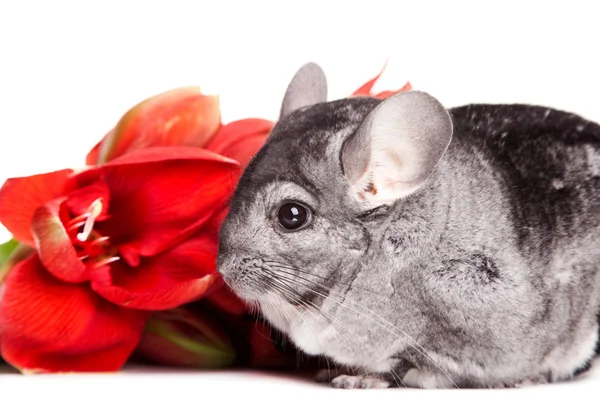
(396,148)
(308,87)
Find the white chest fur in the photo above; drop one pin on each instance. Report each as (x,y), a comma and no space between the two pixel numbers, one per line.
(316,334)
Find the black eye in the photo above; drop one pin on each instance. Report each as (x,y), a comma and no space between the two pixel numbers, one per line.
(293,216)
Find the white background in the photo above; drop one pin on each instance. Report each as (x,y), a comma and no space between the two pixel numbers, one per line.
(69,70)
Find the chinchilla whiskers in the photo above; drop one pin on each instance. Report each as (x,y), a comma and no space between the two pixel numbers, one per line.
(281,292)
(253,308)
(390,327)
(396,378)
(337,282)
(333,320)
(309,305)
(284,288)
(291,278)
(270,339)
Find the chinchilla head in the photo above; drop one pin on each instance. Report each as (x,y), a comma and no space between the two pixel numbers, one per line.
(302,215)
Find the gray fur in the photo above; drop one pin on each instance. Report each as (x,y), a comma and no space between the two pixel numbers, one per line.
(487,275)
(308,87)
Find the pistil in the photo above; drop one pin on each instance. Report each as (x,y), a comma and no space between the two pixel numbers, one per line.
(93,212)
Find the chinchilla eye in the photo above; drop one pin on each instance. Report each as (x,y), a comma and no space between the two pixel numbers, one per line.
(293,216)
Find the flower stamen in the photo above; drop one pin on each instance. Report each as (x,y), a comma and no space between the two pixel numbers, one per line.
(98,241)
(105,261)
(77,222)
(93,212)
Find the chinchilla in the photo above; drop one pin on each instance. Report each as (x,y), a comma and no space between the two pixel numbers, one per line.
(421,246)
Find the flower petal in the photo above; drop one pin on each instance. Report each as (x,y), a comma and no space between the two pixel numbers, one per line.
(20,197)
(79,200)
(366,89)
(54,246)
(241,139)
(168,280)
(160,195)
(162,153)
(52,326)
(83,177)
(387,93)
(92,156)
(180,117)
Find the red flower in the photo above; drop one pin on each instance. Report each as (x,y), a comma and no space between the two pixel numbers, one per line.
(182,117)
(124,234)
(179,117)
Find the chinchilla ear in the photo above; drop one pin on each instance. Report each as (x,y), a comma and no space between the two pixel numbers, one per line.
(308,87)
(396,147)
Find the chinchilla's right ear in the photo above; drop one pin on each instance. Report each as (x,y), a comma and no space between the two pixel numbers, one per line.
(396,148)
(308,87)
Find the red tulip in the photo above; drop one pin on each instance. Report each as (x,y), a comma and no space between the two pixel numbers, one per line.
(137,233)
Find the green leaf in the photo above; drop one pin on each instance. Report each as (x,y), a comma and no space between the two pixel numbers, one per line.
(11,253)
(6,250)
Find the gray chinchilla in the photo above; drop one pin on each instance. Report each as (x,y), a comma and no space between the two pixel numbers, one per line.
(419,246)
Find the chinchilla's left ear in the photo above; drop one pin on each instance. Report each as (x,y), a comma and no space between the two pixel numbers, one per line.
(308,87)
(396,147)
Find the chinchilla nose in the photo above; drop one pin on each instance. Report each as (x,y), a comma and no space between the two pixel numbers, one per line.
(237,273)
(225,263)
(229,264)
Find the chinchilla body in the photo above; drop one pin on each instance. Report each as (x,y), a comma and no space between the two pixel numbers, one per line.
(419,246)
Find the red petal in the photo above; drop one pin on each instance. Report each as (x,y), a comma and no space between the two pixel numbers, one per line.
(92,157)
(164,196)
(168,280)
(52,326)
(82,178)
(174,153)
(80,199)
(20,197)
(180,117)
(56,252)
(213,226)
(366,89)
(387,93)
(241,139)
